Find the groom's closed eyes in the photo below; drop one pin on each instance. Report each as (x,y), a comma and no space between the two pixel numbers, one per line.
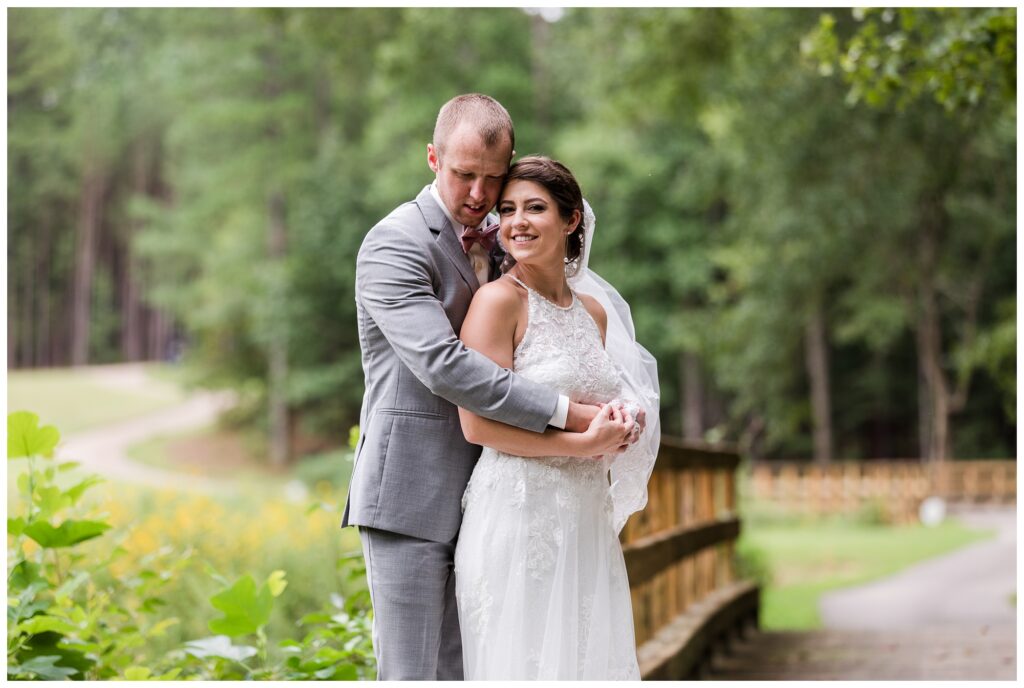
(462,174)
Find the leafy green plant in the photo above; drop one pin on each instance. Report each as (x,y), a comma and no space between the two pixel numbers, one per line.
(69,617)
(336,645)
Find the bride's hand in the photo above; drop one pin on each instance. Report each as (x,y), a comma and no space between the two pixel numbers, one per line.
(608,432)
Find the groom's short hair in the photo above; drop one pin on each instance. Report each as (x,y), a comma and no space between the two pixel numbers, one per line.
(484,113)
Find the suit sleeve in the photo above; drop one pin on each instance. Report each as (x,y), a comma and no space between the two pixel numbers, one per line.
(395,287)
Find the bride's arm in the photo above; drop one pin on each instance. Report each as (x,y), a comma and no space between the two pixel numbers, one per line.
(490,328)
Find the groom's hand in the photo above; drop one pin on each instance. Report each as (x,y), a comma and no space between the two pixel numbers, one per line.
(580,416)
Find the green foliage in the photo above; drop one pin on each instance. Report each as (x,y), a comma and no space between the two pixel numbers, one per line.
(68,618)
(960,56)
(751,169)
(26,438)
(245,608)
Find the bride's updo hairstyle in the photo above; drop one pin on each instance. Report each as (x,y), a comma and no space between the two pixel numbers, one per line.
(558,181)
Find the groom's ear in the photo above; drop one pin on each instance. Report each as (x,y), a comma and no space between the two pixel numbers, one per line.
(432,158)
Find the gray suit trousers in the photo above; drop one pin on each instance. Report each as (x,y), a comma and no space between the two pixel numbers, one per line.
(416,633)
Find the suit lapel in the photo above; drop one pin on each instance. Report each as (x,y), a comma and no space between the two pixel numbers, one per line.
(450,244)
(497,257)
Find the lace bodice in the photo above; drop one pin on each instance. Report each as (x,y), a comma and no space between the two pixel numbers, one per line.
(562,349)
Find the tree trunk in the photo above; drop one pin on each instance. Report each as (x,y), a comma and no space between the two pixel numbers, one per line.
(89,216)
(929,336)
(158,334)
(693,396)
(42,319)
(26,324)
(130,289)
(816,352)
(12,328)
(277,234)
(278,347)
(540,34)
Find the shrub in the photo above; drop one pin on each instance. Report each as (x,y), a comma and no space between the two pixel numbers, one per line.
(74,611)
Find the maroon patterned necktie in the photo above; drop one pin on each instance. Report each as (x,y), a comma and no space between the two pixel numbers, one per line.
(486,237)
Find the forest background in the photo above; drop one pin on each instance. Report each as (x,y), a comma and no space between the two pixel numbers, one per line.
(811,212)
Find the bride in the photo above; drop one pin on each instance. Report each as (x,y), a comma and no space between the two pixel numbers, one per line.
(540,577)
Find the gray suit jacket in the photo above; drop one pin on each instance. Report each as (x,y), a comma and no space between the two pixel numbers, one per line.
(413,288)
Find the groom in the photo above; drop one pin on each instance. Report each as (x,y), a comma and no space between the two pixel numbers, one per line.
(416,272)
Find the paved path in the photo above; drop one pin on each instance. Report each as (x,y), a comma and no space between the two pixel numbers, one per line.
(948,618)
(970,587)
(104,450)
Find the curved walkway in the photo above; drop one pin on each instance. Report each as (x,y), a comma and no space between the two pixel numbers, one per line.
(971,586)
(104,450)
(948,618)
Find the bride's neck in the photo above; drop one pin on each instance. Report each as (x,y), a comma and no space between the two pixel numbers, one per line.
(549,282)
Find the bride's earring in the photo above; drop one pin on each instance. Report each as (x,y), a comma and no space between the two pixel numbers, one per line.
(572,266)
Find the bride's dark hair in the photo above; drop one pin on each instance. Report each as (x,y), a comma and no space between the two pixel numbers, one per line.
(565,191)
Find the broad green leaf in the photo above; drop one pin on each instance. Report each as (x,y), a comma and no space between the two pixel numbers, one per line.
(170,675)
(68,465)
(26,438)
(245,608)
(67,534)
(276,583)
(50,499)
(345,672)
(75,492)
(43,667)
(219,646)
(15,526)
(323,674)
(45,622)
(51,643)
(136,673)
(23,574)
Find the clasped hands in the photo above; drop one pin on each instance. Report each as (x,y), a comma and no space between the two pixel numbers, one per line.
(610,428)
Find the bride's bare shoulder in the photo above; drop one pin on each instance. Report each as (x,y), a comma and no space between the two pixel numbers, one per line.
(498,299)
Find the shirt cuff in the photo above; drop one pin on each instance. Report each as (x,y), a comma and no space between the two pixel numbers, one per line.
(561,413)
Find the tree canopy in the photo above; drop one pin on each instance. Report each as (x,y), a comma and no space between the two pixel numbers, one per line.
(811,212)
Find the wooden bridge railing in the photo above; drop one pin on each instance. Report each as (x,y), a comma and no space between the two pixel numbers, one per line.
(679,555)
(897,487)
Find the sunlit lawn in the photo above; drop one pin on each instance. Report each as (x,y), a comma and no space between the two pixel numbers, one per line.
(807,559)
(75,399)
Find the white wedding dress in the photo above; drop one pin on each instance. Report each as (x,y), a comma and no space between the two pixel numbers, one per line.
(540,578)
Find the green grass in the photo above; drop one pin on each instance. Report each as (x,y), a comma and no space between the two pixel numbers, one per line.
(75,399)
(808,559)
(331,467)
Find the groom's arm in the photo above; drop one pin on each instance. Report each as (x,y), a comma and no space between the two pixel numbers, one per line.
(394,283)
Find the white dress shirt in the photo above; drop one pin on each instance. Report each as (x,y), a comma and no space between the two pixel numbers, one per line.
(481,263)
